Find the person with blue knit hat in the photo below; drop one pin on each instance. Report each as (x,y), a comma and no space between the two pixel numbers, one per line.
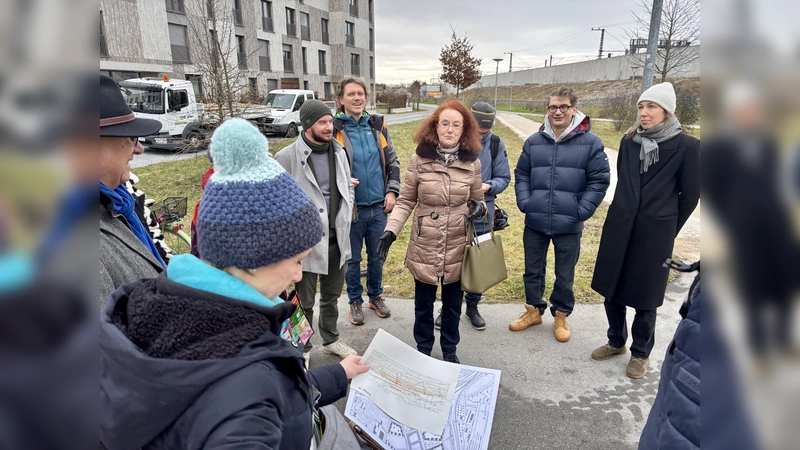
(195,358)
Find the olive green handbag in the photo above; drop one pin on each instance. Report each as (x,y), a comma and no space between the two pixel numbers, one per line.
(484,264)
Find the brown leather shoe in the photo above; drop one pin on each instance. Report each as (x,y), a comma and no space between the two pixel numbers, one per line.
(530,317)
(560,327)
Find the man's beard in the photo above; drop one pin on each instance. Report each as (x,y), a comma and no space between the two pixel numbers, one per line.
(321,137)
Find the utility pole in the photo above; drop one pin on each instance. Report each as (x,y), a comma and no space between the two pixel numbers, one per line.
(551,61)
(602,36)
(510,60)
(496,72)
(511,96)
(652,46)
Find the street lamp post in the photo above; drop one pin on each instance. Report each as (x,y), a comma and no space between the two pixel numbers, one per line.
(496,72)
(511,96)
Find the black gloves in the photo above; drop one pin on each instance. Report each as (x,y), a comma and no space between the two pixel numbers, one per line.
(476,210)
(386,241)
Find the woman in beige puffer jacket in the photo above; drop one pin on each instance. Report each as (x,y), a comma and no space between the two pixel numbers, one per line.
(442,193)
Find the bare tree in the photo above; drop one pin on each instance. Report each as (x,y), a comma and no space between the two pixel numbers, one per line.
(459,67)
(617,106)
(680,28)
(415,89)
(216,53)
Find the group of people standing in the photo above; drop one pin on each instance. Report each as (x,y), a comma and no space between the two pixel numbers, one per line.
(195,346)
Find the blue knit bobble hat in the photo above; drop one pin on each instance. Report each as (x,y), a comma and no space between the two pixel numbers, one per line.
(253,213)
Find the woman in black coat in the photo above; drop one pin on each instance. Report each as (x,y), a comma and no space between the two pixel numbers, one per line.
(658,187)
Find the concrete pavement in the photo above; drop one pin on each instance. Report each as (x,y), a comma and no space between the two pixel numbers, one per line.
(552,395)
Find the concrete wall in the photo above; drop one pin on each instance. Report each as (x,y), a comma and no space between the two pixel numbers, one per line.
(615,68)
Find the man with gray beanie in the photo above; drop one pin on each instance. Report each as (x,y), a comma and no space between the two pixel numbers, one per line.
(495,174)
(320,166)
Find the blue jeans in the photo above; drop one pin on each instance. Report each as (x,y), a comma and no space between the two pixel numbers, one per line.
(568,248)
(368,227)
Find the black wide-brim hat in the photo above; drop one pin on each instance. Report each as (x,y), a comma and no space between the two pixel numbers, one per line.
(116,117)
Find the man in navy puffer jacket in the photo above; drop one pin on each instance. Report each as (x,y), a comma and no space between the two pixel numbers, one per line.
(561,178)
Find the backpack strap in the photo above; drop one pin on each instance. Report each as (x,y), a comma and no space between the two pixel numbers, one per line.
(495,146)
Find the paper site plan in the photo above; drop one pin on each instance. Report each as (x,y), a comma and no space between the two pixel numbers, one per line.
(468,426)
(415,389)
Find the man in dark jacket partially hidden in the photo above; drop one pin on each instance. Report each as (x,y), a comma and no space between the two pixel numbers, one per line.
(561,178)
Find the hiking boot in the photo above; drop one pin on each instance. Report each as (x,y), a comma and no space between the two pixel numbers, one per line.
(531,316)
(605,352)
(560,327)
(356,314)
(452,359)
(339,349)
(475,317)
(438,322)
(637,367)
(380,307)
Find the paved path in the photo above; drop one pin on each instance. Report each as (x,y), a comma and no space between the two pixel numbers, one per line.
(552,395)
(687,244)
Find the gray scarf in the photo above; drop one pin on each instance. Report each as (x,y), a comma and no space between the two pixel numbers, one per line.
(649,140)
(448,155)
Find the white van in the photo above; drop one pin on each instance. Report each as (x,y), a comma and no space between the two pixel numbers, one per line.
(283,116)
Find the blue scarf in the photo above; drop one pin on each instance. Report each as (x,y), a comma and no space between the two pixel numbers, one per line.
(123,205)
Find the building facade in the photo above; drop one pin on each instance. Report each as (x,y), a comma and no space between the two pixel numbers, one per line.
(277,44)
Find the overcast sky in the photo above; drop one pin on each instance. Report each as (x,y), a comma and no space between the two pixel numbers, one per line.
(409,34)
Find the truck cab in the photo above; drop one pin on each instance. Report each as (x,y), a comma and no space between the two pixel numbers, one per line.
(171,102)
(283,116)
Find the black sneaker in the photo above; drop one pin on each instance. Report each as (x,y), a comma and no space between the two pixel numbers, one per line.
(475,317)
(438,322)
(452,359)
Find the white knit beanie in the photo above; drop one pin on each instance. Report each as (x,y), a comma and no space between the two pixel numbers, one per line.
(662,94)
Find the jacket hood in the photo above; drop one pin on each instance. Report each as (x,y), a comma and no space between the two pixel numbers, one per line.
(428,150)
(581,123)
(145,385)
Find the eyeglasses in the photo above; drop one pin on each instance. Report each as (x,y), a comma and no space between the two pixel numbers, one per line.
(562,108)
(445,125)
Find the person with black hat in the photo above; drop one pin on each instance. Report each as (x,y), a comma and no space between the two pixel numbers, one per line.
(319,164)
(127,252)
(496,175)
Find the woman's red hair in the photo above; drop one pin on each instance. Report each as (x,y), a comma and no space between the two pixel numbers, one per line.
(470,137)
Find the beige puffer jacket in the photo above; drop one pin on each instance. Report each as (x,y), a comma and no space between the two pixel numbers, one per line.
(436,246)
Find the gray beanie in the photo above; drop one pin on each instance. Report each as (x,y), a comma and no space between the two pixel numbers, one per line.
(484,114)
(312,111)
(662,94)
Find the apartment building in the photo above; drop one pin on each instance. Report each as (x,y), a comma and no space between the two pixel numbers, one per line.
(288,44)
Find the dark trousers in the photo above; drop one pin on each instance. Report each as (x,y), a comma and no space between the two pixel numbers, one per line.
(330,288)
(424,297)
(643,330)
(568,249)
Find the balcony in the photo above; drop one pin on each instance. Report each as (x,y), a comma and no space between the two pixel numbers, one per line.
(325,39)
(291,29)
(267,25)
(355,69)
(237,17)
(264,63)
(322,69)
(288,66)
(350,40)
(305,32)
(354,10)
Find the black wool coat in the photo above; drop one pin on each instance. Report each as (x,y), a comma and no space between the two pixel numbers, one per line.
(643,220)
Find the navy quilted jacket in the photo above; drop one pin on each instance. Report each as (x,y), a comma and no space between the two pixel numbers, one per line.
(560,184)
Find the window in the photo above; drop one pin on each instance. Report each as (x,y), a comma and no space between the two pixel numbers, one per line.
(305,60)
(253,85)
(175,6)
(177,43)
(266,17)
(305,85)
(197,84)
(355,64)
(371,12)
(322,69)
(354,8)
(210,9)
(263,55)
(288,65)
(272,84)
(371,40)
(371,67)
(178,99)
(291,25)
(305,29)
(325,39)
(328,89)
(237,13)
(350,33)
(103,46)
(241,54)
